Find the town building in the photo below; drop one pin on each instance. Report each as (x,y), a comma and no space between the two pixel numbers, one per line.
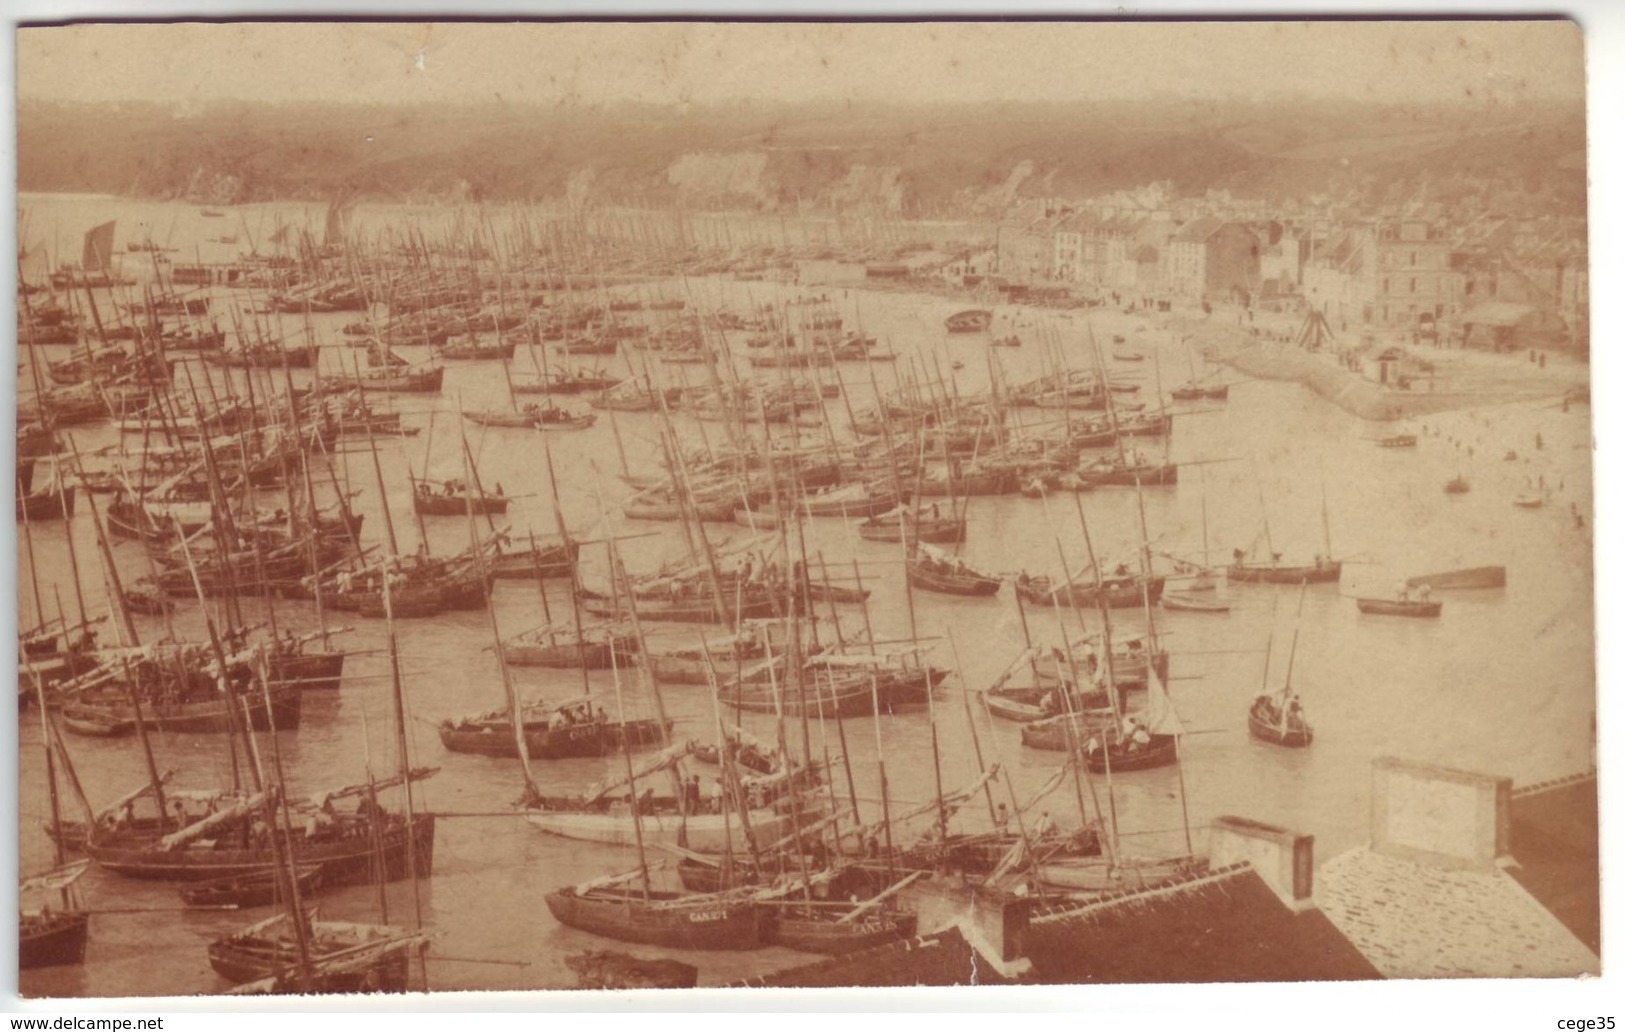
(1213,260)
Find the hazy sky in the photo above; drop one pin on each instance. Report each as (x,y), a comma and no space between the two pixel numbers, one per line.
(707,63)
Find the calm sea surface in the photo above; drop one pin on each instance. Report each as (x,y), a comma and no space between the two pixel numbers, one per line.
(1502,683)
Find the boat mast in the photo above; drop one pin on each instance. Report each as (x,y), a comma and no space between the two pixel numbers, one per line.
(570,554)
(1292,652)
(516,717)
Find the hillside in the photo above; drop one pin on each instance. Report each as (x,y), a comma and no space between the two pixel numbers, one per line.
(909,162)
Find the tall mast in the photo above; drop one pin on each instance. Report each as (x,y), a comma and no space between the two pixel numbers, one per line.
(516,717)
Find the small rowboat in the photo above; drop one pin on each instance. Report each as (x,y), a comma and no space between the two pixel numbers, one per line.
(511,420)
(1266,723)
(1191,604)
(97,725)
(1397,441)
(832,934)
(1399,607)
(1471,577)
(1128,356)
(260,889)
(1008,707)
(1529,501)
(564,420)
(817,591)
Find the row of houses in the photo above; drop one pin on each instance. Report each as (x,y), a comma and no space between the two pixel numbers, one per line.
(1386,270)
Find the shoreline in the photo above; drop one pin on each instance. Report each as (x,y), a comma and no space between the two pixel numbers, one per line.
(1508,382)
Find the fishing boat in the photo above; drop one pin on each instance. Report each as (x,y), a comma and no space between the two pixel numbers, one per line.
(48,504)
(52,936)
(893,526)
(1278,719)
(551,417)
(104,714)
(1124,753)
(693,665)
(690,602)
(814,698)
(596,647)
(1529,500)
(604,345)
(92,724)
(611,823)
(1062,732)
(263,357)
(656,918)
(422,380)
(968,484)
(973,320)
(352,848)
(455,499)
(819,591)
(552,732)
(1421,608)
(849,500)
(1128,356)
(1473,577)
(260,889)
(1116,470)
(475,350)
(836,929)
(1321,571)
(1118,590)
(511,419)
(345,956)
(1192,604)
(932,570)
(1093,875)
(568,382)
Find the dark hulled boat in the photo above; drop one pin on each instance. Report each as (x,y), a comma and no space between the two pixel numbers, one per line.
(351,855)
(52,938)
(346,957)
(195,713)
(669,919)
(1267,723)
(949,577)
(46,505)
(1125,754)
(261,889)
(456,502)
(1422,608)
(1118,591)
(833,932)
(492,735)
(893,528)
(560,648)
(974,320)
(1322,571)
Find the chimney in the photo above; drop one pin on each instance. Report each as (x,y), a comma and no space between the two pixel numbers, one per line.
(1435,815)
(1283,858)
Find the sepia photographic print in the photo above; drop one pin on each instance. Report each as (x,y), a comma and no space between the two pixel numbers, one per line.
(673,504)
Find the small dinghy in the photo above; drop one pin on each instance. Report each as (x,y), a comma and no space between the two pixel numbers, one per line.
(1192,604)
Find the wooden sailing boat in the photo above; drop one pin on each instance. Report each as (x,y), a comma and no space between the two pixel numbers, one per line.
(1277,717)
(1324,570)
(48,936)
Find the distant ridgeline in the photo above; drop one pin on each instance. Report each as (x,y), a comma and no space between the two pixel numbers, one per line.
(922,162)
